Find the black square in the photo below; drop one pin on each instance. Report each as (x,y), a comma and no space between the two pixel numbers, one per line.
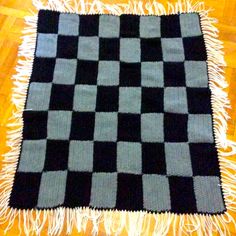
(57,152)
(82,127)
(129,26)
(174,74)
(129,127)
(78,189)
(107,98)
(175,127)
(170,26)
(109,49)
(182,194)
(67,46)
(194,48)
(87,72)
(48,21)
(129,192)
(88,25)
(25,190)
(43,69)
(35,124)
(152,100)
(153,158)
(61,97)
(199,100)
(204,159)
(151,49)
(104,157)
(130,74)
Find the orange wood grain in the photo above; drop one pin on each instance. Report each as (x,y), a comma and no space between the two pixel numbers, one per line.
(12,14)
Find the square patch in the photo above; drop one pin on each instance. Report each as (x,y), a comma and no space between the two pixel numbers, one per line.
(172,49)
(65,71)
(190,25)
(99,197)
(108,73)
(105,154)
(156,193)
(175,100)
(32,156)
(152,127)
(208,194)
(152,74)
(52,189)
(68,24)
(200,128)
(109,26)
(85,98)
(88,48)
(150,26)
(39,96)
(105,126)
(130,50)
(59,124)
(80,156)
(129,157)
(56,155)
(178,159)
(67,46)
(46,45)
(130,100)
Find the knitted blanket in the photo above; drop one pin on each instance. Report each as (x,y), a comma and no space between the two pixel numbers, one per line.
(118,115)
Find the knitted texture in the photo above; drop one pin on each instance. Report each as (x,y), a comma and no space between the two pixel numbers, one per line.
(118,116)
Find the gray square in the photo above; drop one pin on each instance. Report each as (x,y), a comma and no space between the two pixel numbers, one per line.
(175,100)
(101,182)
(152,127)
(46,45)
(130,50)
(109,26)
(108,73)
(178,159)
(190,25)
(85,97)
(52,189)
(156,193)
(152,74)
(129,157)
(208,194)
(129,99)
(32,156)
(39,96)
(172,49)
(150,26)
(59,123)
(105,126)
(88,48)
(200,128)
(65,71)
(81,156)
(68,24)
(196,74)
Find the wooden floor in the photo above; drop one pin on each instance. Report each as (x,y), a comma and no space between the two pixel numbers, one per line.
(12,13)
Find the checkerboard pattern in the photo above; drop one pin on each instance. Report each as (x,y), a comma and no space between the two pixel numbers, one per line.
(118,116)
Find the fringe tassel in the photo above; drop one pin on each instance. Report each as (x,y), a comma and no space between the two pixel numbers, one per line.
(135,223)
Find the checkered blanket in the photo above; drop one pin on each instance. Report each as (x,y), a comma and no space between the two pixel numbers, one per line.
(118,116)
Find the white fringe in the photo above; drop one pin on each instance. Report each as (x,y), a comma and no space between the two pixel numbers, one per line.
(135,223)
